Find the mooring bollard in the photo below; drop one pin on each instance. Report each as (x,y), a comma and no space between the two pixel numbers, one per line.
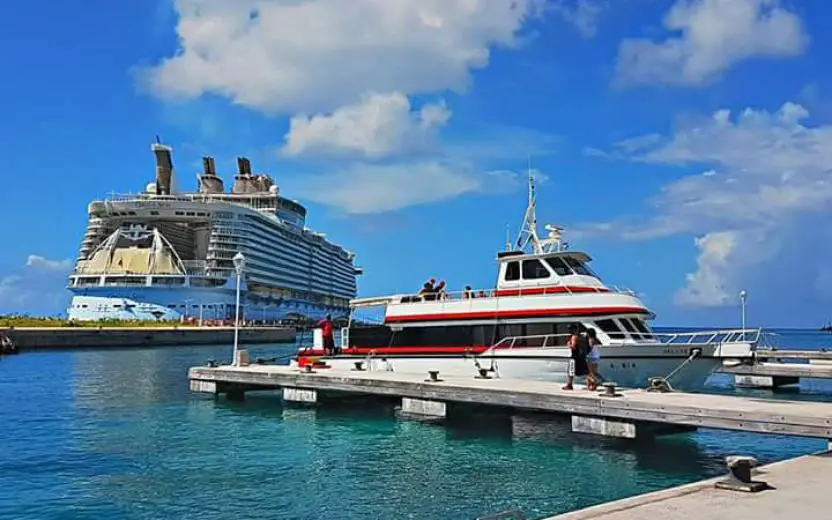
(359,366)
(609,390)
(434,376)
(307,368)
(739,475)
(483,373)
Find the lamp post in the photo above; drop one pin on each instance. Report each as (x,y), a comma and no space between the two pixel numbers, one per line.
(239,265)
(743,297)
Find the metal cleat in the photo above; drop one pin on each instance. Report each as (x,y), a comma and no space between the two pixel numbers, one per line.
(434,376)
(609,390)
(739,475)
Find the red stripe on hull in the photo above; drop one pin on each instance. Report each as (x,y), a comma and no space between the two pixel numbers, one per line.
(549,290)
(404,350)
(587,311)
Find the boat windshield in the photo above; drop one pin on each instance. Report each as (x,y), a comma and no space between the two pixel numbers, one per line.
(568,265)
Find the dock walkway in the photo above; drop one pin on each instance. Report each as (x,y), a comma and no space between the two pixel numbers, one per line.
(628,414)
(799,489)
(770,371)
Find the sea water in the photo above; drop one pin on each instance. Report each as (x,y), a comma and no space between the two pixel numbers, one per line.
(116,434)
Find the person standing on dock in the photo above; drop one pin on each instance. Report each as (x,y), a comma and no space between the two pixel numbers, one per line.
(578,347)
(327,332)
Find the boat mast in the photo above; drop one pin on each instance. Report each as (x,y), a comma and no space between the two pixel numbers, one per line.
(528,230)
(528,237)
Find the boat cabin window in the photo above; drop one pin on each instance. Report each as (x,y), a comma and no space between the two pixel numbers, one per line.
(534,270)
(578,266)
(512,271)
(559,266)
(630,328)
(611,328)
(642,327)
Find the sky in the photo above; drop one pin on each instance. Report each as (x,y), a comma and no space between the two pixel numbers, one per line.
(686,145)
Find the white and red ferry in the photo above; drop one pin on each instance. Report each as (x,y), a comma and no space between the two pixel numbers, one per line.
(519,329)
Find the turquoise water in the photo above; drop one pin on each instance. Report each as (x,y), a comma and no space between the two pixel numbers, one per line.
(117,435)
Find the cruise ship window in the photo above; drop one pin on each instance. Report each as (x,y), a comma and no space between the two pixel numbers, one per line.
(534,270)
(512,271)
(610,327)
(559,266)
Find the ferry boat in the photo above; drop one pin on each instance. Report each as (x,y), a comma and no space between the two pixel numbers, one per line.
(519,329)
(168,255)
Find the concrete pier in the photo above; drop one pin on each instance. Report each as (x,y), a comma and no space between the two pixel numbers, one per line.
(37,338)
(624,413)
(795,488)
(424,407)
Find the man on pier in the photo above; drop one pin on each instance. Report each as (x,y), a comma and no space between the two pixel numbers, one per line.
(327,332)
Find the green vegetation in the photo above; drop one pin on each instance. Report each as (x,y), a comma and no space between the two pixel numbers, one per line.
(23,322)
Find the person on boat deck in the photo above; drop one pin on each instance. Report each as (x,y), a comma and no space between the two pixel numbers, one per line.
(593,359)
(426,292)
(440,291)
(578,346)
(469,293)
(329,339)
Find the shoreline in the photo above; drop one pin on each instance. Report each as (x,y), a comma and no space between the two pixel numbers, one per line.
(57,338)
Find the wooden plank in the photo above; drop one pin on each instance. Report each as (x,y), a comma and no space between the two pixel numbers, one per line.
(810,419)
(793,354)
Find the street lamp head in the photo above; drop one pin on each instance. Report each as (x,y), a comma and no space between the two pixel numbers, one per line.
(743,294)
(239,262)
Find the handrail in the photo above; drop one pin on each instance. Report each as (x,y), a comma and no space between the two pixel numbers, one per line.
(476,294)
(713,336)
(716,336)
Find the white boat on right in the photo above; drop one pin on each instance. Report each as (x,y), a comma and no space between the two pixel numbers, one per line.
(519,329)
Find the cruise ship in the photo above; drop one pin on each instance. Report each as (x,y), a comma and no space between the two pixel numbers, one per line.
(167,255)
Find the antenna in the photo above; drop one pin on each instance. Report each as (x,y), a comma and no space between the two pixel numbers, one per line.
(528,231)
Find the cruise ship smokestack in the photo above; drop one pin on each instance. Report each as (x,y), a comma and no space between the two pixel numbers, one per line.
(244,165)
(164,167)
(209,182)
(244,182)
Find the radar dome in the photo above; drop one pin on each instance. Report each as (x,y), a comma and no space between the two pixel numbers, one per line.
(151,187)
(273,189)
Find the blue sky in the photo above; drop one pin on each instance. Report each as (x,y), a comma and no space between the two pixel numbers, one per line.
(685,144)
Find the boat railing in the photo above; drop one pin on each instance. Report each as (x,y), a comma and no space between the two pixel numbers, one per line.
(711,336)
(474,294)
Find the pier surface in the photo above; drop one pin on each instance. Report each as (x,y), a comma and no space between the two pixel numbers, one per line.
(34,338)
(624,415)
(800,489)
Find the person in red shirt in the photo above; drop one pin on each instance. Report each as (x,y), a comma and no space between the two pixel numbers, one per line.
(329,339)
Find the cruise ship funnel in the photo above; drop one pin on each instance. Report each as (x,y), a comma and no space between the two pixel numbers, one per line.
(209,181)
(164,168)
(244,182)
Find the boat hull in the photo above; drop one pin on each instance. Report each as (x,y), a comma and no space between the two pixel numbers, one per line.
(628,367)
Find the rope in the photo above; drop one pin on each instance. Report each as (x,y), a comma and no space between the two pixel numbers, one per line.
(662,384)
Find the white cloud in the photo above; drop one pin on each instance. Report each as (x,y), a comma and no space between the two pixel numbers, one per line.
(706,286)
(377,188)
(317,55)
(583,14)
(40,262)
(36,288)
(380,125)
(715,34)
(764,192)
